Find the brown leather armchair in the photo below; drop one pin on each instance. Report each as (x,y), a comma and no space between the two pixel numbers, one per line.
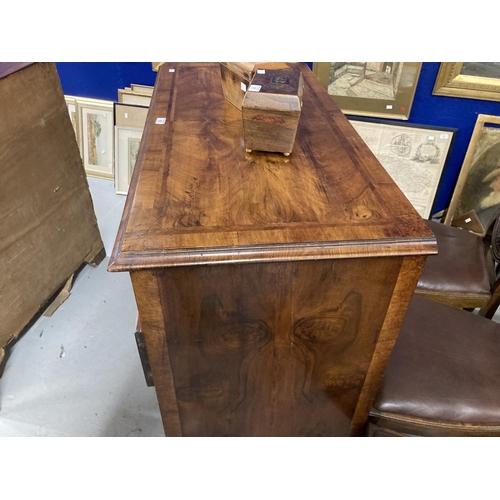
(442,378)
(463,272)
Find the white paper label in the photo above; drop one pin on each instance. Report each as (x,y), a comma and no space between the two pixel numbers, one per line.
(261,71)
(389,106)
(160,121)
(126,115)
(443,136)
(431,138)
(468,220)
(254,88)
(171,70)
(243,87)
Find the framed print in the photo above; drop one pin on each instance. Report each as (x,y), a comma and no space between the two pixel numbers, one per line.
(130,115)
(96,136)
(127,142)
(477,192)
(142,89)
(472,80)
(413,155)
(378,89)
(71,104)
(131,97)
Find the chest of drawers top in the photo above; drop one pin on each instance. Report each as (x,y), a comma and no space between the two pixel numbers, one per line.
(196,197)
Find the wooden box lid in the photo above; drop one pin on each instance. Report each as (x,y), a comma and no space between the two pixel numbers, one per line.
(246,70)
(196,197)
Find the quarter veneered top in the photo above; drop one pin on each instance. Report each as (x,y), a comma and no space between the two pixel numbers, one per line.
(197,197)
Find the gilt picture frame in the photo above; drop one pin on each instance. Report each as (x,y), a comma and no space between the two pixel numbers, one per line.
(477,191)
(413,155)
(96,133)
(470,80)
(373,89)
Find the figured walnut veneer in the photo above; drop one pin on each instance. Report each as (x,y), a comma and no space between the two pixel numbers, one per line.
(270,288)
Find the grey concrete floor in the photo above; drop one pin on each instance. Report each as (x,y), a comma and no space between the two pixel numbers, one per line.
(78,373)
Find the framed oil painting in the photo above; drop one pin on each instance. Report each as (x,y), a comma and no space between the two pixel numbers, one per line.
(377,89)
(73,116)
(127,142)
(96,136)
(413,155)
(477,192)
(472,80)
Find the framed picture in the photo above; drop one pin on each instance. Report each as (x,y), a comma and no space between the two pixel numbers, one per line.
(142,89)
(413,155)
(73,116)
(130,115)
(472,80)
(96,136)
(127,142)
(378,89)
(131,97)
(477,192)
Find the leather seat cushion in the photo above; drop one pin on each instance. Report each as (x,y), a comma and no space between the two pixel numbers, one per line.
(445,366)
(459,266)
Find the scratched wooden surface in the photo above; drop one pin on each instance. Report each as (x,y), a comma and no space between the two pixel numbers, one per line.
(270,289)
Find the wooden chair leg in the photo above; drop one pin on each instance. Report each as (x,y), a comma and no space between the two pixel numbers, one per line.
(489,310)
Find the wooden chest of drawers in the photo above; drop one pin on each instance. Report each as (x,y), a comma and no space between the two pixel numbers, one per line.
(270,289)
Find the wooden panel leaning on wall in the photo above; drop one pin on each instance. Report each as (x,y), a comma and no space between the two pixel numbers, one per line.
(48,226)
(270,289)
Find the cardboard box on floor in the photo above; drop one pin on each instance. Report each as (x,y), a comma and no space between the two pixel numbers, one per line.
(48,228)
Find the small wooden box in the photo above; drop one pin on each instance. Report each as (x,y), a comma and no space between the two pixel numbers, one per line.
(271,110)
(236,77)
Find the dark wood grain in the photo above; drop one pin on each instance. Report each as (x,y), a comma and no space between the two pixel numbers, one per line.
(273,350)
(270,289)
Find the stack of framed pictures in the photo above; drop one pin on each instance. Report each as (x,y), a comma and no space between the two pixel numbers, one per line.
(413,155)
(93,123)
(139,95)
(129,125)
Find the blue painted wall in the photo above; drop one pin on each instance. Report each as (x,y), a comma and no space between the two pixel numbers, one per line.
(101,80)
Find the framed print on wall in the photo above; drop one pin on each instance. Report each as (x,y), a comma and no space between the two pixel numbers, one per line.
(378,89)
(472,80)
(96,136)
(413,155)
(477,192)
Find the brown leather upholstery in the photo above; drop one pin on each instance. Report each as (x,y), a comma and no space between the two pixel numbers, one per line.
(443,377)
(459,274)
